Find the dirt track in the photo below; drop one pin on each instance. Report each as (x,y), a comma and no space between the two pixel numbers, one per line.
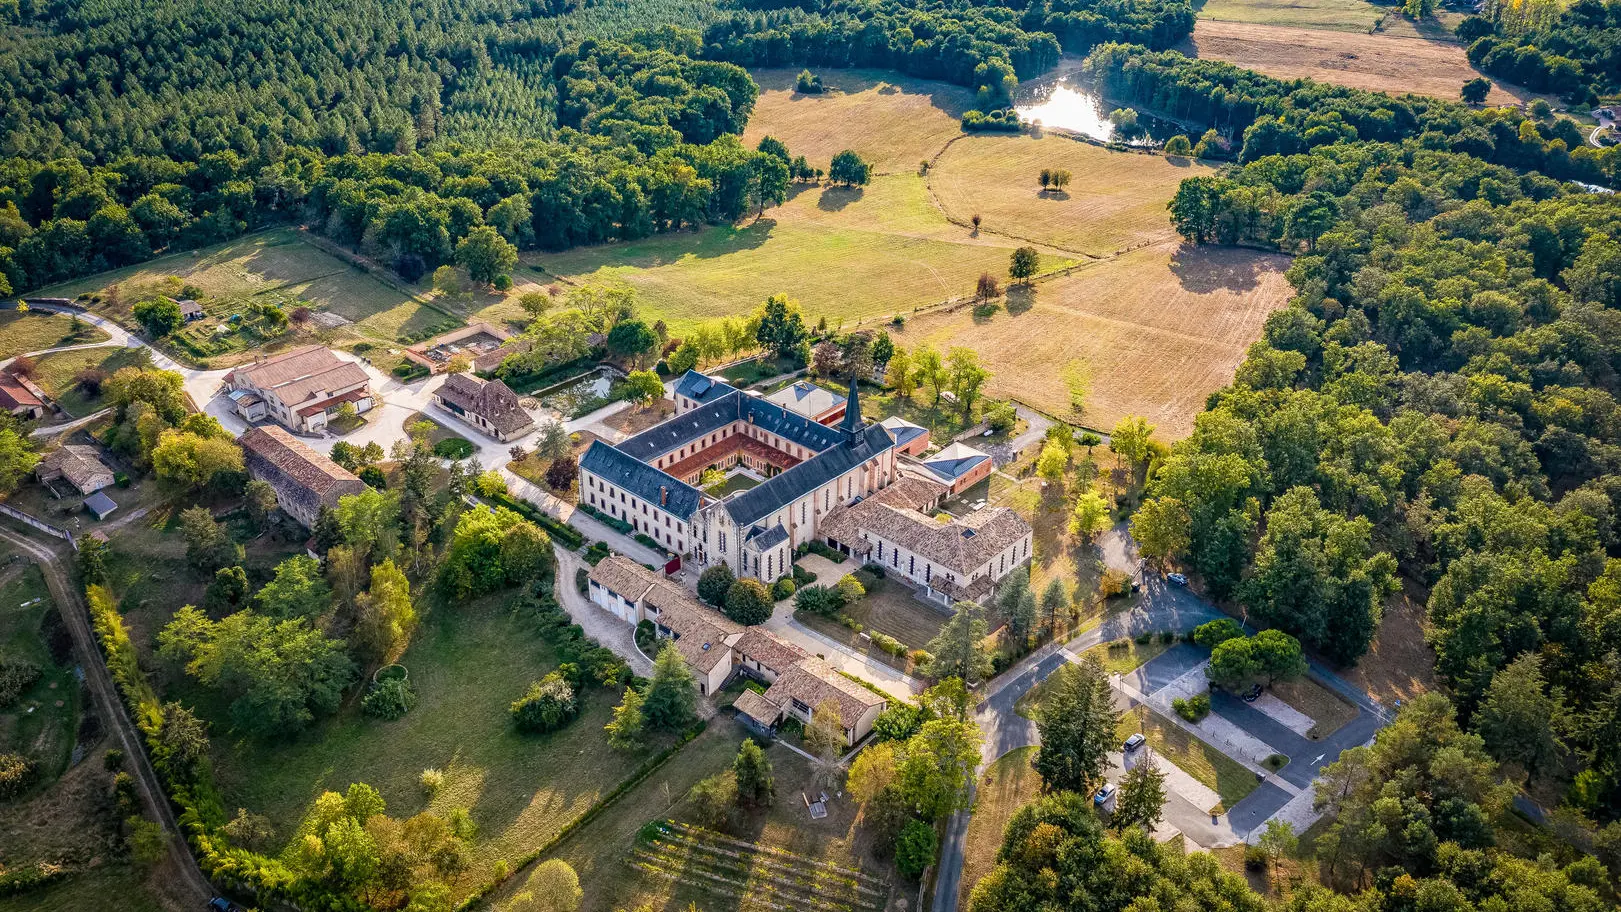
(184,887)
(1380,63)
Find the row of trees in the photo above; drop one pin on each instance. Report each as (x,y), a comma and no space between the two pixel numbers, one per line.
(1574,51)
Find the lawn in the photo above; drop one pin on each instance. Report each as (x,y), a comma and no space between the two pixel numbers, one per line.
(1008,784)
(26,332)
(890,608)
(1117,199)
(1222,774)
(90,889)
(467,663)
(1356,16)
(1126,655)
(1328,709)
(278,267)
(57,374)
(846,254)
(892,121)
(1159,329)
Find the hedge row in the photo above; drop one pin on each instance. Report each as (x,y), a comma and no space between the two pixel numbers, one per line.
(560,531)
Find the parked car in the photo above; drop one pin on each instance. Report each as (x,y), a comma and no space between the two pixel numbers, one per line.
(1251,695)
(1134,742)
(1106,794)
(1176,579)
(221,904)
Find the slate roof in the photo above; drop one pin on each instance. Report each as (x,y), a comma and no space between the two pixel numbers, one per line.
(806,398)
(722,411)
(903,431)
(763,500)
(811,681)
(766,539)
(954,461)
(643,480)
(491,400)
(100,504)
(701,389)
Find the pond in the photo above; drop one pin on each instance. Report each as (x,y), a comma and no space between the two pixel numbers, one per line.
(1065,104)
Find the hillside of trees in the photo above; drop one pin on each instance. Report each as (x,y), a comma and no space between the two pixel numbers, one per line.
(1574,52)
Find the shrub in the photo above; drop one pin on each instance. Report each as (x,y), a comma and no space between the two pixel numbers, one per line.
(1114,583)
(1167,636)
(818,600)
(646,635)
(783,588)
(1213,633)
(870,573)
(649,541)
(1193,708)
(851,589)
(1255,857)
(802,577)
(596,554)
(914,850)
(389,699)
(16,772)
(822,549)
(921,657)
(453,448)
(432,781)
(374,477)
(1003,121)
(889,644)
(548,705)
(113,760)
(748,601)
(16,676)
(582,580)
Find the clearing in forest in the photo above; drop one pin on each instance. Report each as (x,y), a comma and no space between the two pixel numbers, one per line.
(1159,329)
(1394,63)
(892,121)
(1115,200)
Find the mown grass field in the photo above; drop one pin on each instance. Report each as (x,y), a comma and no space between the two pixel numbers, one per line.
(1159,328)
(1402,58)
(892,121)
(1219,772)
(277,266)
(57,372)
(1327,708)
(1335,15)
(1008,784)
(846,254)
(1117,199)
(25,332)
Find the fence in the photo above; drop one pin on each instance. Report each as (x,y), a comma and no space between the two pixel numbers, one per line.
(39,524)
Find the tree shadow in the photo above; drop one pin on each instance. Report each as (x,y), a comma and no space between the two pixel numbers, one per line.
(834,199)
(1206,269)
(1020,298)
(1179,161)
(1059,195)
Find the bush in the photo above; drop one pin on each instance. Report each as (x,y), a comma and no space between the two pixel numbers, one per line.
(748,602)
(914,850)
(649,541)
(596,554)
(582,580)
(802,577)
(1003,121)
(783,588)
(646,636)
(16,676)
(851,589)
(548,705)
(1255,857)
(389,699)
(821,548)
(818,600)
(1193,708)
(889,644)
(432,781)
(113,760)
(1167,636)
(1144,638)
(921,657)
(453,448)
(16,773)
(1114,583)
(873,572)
(714,583)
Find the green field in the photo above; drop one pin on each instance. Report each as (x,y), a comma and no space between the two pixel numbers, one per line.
(1214,769)
(278,267)
(41,724)
(27,332)
(1335,15)
(57,374)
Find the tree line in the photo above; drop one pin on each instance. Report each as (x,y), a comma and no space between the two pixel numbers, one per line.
(1574,52)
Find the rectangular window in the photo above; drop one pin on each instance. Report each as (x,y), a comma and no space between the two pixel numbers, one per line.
(722,547)
(880,549)
(911,564)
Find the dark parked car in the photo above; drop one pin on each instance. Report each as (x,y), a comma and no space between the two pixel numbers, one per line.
(1251,695)
(221,904)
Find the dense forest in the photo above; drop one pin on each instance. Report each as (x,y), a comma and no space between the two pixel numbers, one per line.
(1575,52)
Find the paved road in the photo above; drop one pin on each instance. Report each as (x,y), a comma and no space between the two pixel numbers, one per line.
(185,881)
(1162,607)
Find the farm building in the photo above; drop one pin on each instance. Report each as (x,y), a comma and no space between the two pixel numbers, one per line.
(19,399)
(301,390)
(483,344)
(77,464)
(489,405)
(304,480)
(718,648)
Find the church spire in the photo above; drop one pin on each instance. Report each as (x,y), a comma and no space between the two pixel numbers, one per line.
(852,410)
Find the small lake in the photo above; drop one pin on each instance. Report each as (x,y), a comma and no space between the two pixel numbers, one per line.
(1063,104)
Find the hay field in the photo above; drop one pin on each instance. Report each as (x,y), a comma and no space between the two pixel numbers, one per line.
(893,121)
(1337,15)
(1160,328)
(843,254)
(1380,62)
(1117,199)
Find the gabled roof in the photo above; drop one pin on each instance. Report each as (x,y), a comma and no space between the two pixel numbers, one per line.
(13,394)
(81,465)
(491,400)
(653,485)
(805,398)
(299,464)
(623,577)
(766,539)
(811,681)
(701,389)
(903,431)
(769,651)
(954,461)
(300,374)
(757,707)
(962,545)
(763,500)
(100,504)
(722,411)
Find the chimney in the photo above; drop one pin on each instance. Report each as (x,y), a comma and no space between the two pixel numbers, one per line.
(664,496)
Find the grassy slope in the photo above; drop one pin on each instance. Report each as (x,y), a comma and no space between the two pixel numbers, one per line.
(26,332)
(42,722)
(57,372)
(1009,784)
